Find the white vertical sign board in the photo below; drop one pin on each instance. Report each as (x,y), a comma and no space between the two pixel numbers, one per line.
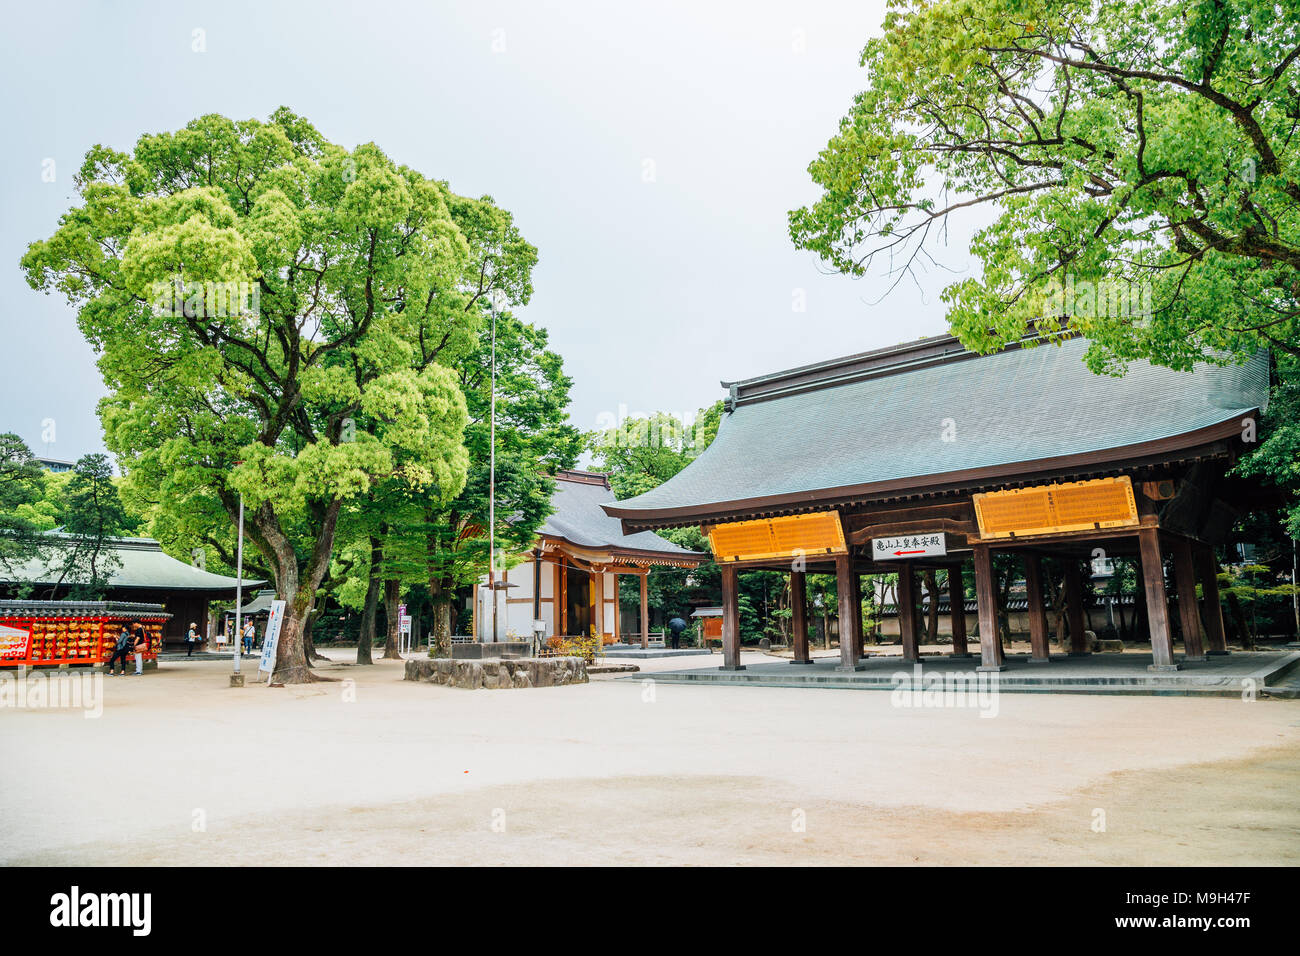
(270,639)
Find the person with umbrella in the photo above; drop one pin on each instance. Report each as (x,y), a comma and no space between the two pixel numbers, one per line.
(676,626)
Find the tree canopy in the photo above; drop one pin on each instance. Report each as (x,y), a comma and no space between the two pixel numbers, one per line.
(276,317)
(1138,157)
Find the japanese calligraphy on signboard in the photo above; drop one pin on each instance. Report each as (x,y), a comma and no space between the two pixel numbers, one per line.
(906,546)
(1055,509)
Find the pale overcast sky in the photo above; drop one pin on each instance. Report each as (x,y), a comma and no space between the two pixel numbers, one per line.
(652,291)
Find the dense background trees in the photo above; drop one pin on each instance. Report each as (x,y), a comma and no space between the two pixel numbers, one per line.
(22,486)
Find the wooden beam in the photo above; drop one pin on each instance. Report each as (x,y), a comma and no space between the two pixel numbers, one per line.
(799,617)
(730,621)
(1153,578)
(850,614)
(1208,571)
(986,593)
(950,526)
(1189,616)
(1039,652)
(907,613)
(1074,609)
(957,611)
(645,612)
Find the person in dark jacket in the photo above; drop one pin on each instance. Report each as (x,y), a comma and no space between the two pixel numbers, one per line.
(675,627)
(120,650)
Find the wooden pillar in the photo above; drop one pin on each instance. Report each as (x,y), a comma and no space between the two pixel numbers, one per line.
(957,611)
(730,620)
(1074,609)
(618,610)
(907,612)
(562,575)
(856,581)
(1208,571)
(1189,616)
(1039,652)
(1153,579)
(986,593)
(645,609)
(850,614)
(799,617)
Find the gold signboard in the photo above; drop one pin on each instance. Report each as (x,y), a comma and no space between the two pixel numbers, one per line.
(1054,509)
(784,537)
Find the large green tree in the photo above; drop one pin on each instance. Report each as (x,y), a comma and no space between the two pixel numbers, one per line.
(1138,159)
(253,291)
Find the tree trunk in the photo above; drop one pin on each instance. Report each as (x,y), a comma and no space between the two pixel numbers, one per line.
(441,598)
(298,592)
(1058,608)
(310,654)
(366,638)
(1241,625)
(932,613)
(392,597)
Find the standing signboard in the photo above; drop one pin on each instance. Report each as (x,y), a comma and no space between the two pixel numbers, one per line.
(270,639)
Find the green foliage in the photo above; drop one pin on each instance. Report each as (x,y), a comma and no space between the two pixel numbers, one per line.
(1145,148)
(1277,459)
(92,514)
(276,317)
(22,486)
(642,453)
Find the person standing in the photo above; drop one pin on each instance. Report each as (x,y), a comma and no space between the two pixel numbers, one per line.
(140,645)
(676,626)
(120,650)
(191,639)
(249,633)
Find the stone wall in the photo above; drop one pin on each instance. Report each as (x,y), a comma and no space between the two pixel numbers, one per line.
(499,674)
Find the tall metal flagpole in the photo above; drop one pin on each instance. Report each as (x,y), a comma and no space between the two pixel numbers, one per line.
(239,579)
(492,480)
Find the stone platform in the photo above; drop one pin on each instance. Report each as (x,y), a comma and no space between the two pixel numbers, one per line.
(498,674)
(636,651)
(1233,675)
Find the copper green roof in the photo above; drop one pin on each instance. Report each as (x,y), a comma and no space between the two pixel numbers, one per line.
(144,565)
(926,414)
(578,519)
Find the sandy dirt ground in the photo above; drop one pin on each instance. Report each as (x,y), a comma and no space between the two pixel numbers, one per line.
(182,769)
